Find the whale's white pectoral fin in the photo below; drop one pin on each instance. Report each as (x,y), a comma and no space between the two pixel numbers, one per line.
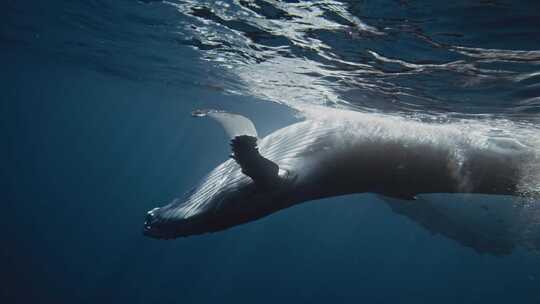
(233,124)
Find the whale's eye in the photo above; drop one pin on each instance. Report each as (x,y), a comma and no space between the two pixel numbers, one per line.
(286,175)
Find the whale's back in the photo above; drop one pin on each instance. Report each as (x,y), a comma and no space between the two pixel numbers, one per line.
(401,158)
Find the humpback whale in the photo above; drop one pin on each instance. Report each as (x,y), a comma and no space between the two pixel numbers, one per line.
(401,160)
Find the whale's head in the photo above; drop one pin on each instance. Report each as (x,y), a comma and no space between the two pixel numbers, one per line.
(223,199)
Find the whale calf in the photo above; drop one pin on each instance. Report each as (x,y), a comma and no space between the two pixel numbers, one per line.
(398,159)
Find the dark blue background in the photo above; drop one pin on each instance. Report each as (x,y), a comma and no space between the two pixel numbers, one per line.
(85,155)
(96,130)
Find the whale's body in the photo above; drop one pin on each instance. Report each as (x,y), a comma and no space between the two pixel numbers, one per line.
(398,159)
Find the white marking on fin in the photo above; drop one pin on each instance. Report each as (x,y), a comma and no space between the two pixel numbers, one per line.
(233,124)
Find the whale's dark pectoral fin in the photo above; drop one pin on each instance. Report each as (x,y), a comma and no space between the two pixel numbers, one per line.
(243,134)
(486,223)
(262,171)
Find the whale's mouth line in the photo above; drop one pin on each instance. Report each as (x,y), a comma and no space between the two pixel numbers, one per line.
(156,233)
(159,228)
(150,228)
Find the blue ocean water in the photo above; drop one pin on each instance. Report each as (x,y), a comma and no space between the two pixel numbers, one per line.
(96,127)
